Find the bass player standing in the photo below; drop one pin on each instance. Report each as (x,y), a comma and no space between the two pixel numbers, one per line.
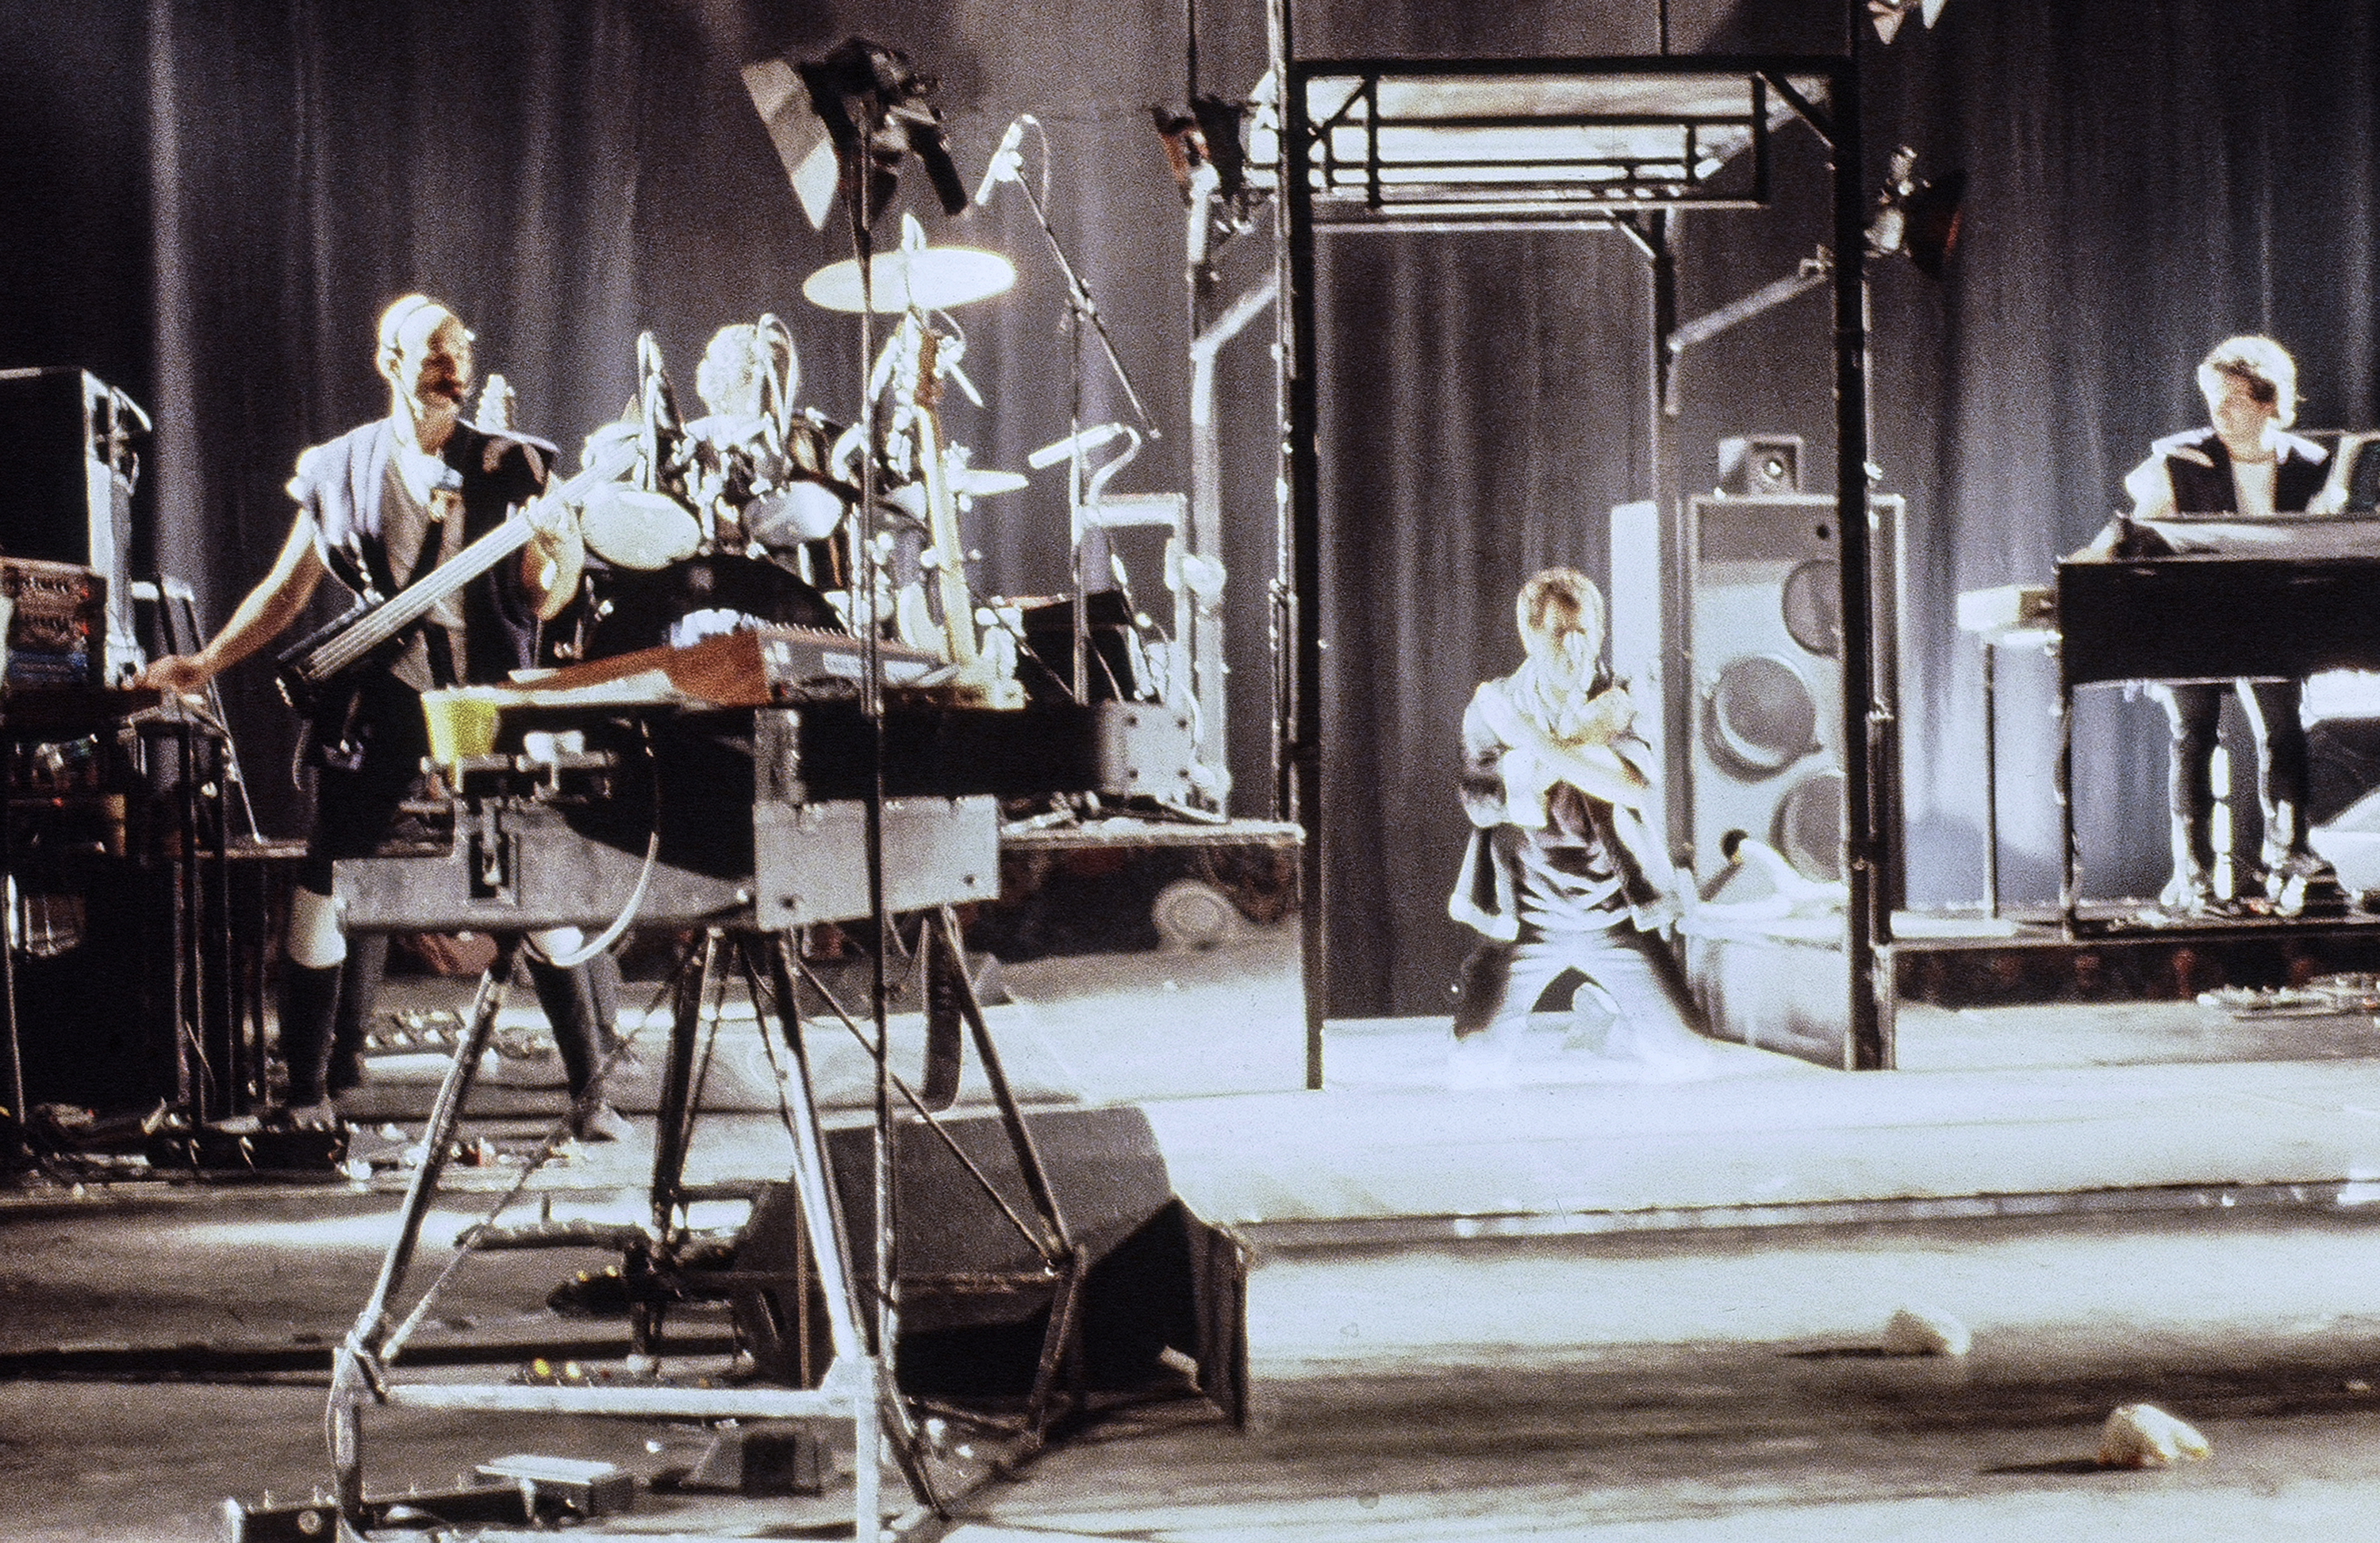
(378,507)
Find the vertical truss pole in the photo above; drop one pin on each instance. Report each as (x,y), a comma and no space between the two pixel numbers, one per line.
(1869,1049)
(1662,257)
(1304,771)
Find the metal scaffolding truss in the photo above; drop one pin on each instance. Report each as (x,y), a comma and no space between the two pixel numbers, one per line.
(1412,145)
(1407,142)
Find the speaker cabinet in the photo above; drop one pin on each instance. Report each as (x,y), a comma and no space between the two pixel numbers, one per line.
(1760,466)
(1159,1276)
(1729,626)
(1765,636)
(65,436)
(1766,639)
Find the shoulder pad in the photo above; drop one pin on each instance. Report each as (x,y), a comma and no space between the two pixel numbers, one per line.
(2186,447)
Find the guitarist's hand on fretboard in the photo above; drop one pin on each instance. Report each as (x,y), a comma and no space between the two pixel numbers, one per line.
(179,673)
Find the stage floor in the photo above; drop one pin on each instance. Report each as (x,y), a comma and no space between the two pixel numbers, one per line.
(1994,1109)
(1600,1300)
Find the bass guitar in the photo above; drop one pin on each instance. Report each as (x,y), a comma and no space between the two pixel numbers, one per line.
(316,673)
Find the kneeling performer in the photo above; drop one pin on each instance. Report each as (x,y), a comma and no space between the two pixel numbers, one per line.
(1561,872)
(375,506)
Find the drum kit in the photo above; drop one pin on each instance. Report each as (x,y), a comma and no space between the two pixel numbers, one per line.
(741,516)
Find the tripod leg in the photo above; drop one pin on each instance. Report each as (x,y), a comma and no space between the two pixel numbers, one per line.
(1057,1341)
(822,1219)
(355,1369)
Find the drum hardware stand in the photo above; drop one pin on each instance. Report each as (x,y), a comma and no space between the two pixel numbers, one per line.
(1082,310)
(177,612)
(214,1072)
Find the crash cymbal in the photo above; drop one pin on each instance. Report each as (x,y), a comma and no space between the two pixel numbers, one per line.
(927,279)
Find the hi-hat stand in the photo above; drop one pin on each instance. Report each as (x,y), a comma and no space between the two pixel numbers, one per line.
(1081,314)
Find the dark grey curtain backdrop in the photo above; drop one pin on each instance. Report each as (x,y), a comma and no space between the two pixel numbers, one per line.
(2145,181)
(208,202)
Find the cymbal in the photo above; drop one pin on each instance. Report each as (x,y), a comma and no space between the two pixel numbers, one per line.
(965,482)
(927,277)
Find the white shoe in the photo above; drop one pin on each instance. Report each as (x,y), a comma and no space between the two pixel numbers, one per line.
(1480,1061)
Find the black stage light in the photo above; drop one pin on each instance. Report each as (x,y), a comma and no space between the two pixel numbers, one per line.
(873,103)
(1186,148)
(1887,14)
(1208,135)
(1933,222)
(1915,218)
(1219,127)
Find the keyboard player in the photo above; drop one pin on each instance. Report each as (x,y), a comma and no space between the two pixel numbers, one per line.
(2247,464)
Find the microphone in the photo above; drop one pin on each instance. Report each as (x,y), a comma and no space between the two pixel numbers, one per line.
(1004,160)
(1085,440)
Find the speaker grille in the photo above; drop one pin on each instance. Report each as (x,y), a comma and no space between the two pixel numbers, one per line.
(1812,605)
(1808,830)
(1761,717)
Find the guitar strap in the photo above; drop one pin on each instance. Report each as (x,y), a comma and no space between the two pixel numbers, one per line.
(434,636)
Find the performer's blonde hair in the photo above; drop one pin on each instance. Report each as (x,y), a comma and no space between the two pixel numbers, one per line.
(2270,375)
(1556,603)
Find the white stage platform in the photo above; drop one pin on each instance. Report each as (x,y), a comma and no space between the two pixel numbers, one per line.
(1384,1153)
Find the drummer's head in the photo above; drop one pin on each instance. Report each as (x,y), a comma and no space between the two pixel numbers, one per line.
(425,352)
(1560,615)
(739,359)
(2255,374)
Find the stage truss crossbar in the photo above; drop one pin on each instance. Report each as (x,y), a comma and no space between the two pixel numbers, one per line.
(1401,142)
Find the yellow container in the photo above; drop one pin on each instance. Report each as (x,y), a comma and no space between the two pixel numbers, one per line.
(462,723)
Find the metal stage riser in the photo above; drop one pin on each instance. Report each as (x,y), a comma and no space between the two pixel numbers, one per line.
(2156,968)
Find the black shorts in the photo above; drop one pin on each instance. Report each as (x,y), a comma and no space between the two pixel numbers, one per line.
(356,810)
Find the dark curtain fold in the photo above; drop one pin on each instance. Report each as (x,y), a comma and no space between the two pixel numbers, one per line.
(1497,411)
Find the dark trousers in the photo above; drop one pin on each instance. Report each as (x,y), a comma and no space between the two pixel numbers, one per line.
(2194,712)
(325,1012)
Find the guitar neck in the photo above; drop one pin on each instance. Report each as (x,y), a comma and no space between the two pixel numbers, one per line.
(417,600)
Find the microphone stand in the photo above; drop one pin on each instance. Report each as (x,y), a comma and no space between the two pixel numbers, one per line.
(893,1417)
(1080,309)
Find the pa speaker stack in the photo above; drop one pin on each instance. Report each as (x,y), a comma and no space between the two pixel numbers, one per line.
(66,438)
(1731,619)
(1766,632)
